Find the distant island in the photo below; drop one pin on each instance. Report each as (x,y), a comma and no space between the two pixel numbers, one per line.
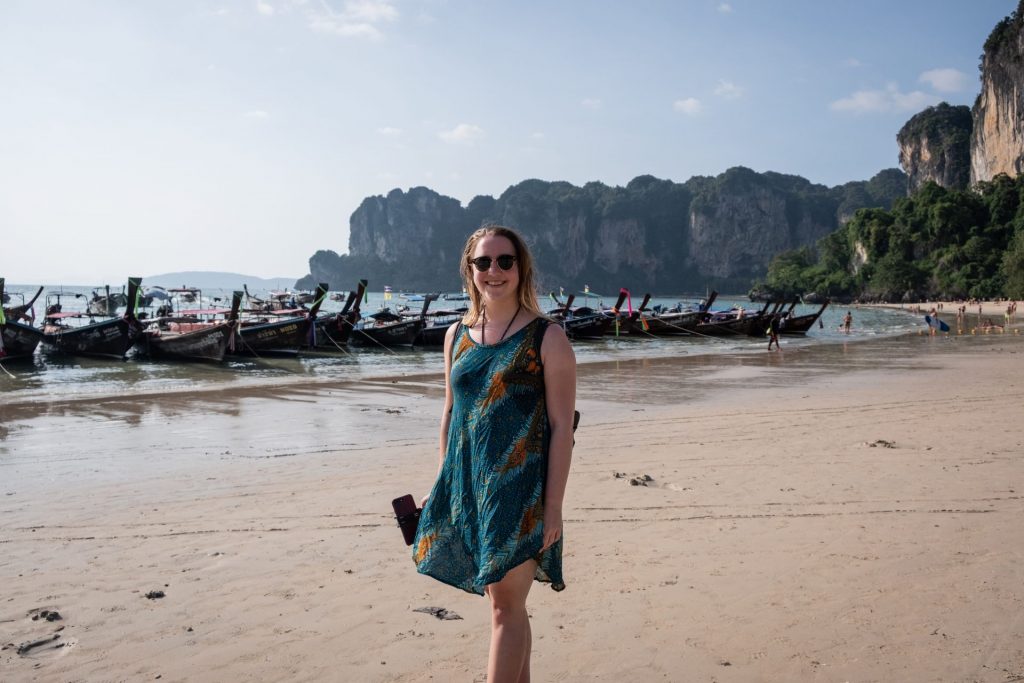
(209,279)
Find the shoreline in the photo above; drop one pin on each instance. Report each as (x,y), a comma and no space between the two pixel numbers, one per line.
(255,387)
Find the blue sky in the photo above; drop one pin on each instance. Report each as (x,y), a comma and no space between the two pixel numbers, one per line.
(239,135)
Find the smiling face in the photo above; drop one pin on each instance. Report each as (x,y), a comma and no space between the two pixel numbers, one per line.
(494,284)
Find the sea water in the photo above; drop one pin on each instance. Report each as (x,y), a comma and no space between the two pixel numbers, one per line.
(55,377)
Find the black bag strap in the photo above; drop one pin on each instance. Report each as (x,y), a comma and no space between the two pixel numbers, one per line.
(458,328)
(538,339)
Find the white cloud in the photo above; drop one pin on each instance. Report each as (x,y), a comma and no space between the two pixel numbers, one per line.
(690,106)
(344,28)
(591,103)
(257,114)
(852,62)
(464,133)
(264,8)
(728,90)
(725,8)
(890,99)
(372,11)
(357,19)
(945,80)
(389,131)
(537,136)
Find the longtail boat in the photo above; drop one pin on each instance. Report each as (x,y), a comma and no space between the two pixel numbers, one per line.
(436,324)
(18,341)
(731,324)
(385,328)
(332,332)
(766,320)
(678,320)
(283,336)
(106,304)
(800,324)
(188,337)
(106,339)
(584,322)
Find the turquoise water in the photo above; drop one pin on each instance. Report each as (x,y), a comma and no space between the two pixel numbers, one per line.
(55,377)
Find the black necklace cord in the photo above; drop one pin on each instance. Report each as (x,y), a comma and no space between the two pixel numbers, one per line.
(483,326)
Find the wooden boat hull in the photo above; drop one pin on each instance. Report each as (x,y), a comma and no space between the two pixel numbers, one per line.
(432,336)
(277,337)
(667,325)
(204,344)
(105,339)
(586,327)
(736,327)
(402,333)
(802,323)
(20,341)
(335,330)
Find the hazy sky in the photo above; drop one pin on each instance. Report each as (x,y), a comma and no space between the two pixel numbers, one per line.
(144,137)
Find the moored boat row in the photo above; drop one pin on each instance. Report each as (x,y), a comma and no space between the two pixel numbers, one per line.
(281,325)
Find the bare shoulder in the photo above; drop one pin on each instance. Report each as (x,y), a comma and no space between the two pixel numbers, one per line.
(556,346)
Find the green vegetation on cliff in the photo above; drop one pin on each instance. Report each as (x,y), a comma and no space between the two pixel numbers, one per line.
(1004,31)
(937,243)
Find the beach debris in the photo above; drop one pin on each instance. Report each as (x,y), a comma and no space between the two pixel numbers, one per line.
(882,443)
(25,648)
(439,612)
(47,614)
(638,480)
(154,595)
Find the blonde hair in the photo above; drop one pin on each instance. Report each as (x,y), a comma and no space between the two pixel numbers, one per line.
(527,292)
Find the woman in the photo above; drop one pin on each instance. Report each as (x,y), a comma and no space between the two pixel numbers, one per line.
(492,523)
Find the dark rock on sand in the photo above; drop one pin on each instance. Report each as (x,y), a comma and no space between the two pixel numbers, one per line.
(439,612)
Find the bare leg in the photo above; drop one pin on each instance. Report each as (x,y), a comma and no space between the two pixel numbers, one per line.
(524,675)
(508,660)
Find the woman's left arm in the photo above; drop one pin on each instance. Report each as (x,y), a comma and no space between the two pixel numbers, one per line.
(559,364)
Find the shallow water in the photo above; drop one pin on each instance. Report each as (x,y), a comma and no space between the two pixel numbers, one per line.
(55,377)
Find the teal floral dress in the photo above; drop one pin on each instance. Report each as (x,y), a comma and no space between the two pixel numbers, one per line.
(485,514)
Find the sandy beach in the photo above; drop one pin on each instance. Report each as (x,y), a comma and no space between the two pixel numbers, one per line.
(848,512)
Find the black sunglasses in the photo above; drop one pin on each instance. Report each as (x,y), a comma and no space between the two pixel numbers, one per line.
(483,263)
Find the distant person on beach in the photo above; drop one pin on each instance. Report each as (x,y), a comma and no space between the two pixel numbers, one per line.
(492,524)
(847,322)
(773,336)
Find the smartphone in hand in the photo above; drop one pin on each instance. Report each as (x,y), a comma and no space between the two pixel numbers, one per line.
(408,516)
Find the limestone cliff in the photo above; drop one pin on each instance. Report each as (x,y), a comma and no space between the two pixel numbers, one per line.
(738,223)
(997,142)
(935,145)
(653,234)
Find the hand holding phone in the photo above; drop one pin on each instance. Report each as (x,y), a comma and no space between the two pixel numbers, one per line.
(408,516)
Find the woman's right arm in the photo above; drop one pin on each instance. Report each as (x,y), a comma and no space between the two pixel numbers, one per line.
(446,414)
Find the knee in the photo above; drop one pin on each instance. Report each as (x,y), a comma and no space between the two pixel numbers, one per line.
(505,612)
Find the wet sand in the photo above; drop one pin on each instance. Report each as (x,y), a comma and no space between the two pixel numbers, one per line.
(844,512)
